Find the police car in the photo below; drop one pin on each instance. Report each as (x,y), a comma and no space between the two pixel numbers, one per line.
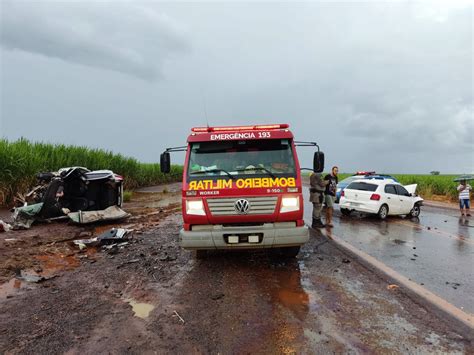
(381,197)
(359,175)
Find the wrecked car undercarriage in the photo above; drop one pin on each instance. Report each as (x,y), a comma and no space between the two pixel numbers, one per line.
(76,193)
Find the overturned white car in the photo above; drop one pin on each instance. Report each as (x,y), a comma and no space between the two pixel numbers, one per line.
(380,197)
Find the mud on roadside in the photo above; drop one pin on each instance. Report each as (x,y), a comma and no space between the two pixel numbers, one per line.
(47,248)
(82,289)
(154,297)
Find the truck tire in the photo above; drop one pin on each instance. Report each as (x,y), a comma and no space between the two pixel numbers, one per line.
(201,254)
(288,252)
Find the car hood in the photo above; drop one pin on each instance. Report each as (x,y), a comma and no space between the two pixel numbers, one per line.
(411,188)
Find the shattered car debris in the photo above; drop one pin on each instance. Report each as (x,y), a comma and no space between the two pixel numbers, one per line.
(114,235)
(109,214)
(82,195)
(4,227)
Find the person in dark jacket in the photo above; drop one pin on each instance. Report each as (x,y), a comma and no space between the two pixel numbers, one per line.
(316,196)
(330,194)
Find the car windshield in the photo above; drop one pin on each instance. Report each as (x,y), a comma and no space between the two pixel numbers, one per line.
(272,157)
(362,186)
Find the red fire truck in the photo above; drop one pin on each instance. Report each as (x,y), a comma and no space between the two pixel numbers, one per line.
(242,189)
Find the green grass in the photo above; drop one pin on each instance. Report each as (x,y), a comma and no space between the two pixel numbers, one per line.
(430,185)
(127,195)
(21,160)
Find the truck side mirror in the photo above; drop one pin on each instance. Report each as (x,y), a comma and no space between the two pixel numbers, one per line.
(318,162)
(165,163)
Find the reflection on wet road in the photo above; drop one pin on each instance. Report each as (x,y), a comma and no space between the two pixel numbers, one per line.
(271,302)
(250,302)
(435,250)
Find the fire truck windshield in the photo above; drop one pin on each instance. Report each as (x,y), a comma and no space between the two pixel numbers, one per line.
(272,157)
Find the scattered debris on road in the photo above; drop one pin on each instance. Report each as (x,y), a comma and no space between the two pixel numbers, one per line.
(392,287)
(4,227)
(112,213)
(167,257)
(176,314)
(31,276)
(217,296)
(112,236)
(133,261)
(454,285)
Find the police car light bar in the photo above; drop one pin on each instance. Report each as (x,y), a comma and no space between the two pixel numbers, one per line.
(240,128)
(365,173)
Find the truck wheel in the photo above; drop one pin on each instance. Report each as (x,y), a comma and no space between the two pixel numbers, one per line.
(346,211)
(201,254)
(289,252)
(383,212)
(415,211)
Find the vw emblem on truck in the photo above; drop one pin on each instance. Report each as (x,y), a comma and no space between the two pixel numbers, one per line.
(242,206)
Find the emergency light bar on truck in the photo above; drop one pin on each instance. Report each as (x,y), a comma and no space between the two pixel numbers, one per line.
(239,128)
(242,188)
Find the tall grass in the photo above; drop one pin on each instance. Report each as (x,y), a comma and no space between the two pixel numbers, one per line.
(21,160)
(430,185)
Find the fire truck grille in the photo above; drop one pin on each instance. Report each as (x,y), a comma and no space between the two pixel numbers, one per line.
(227,206)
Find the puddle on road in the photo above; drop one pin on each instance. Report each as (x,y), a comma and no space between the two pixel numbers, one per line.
(140,310)
(51,263)
(290,293)
(50,266)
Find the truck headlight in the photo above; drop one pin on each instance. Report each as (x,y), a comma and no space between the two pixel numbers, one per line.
(289,204)
(195,207)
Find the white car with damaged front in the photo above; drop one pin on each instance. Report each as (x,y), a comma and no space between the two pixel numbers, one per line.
(381,197)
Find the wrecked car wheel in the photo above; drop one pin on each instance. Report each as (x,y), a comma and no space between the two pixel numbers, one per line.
(415,211)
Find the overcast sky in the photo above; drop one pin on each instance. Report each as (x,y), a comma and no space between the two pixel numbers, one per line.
(385,86)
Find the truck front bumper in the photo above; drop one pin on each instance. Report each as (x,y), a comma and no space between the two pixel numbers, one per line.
(272,235)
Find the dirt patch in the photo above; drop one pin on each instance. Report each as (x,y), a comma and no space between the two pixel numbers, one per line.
(47,247)
(92,287)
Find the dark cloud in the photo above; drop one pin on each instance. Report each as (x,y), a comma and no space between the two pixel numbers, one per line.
(123,37)
(380,86)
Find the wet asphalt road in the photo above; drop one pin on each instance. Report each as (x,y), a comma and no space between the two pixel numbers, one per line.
(435,250)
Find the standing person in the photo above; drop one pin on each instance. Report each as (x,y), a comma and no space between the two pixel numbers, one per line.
(464,190)
(330,194)
(316,196)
